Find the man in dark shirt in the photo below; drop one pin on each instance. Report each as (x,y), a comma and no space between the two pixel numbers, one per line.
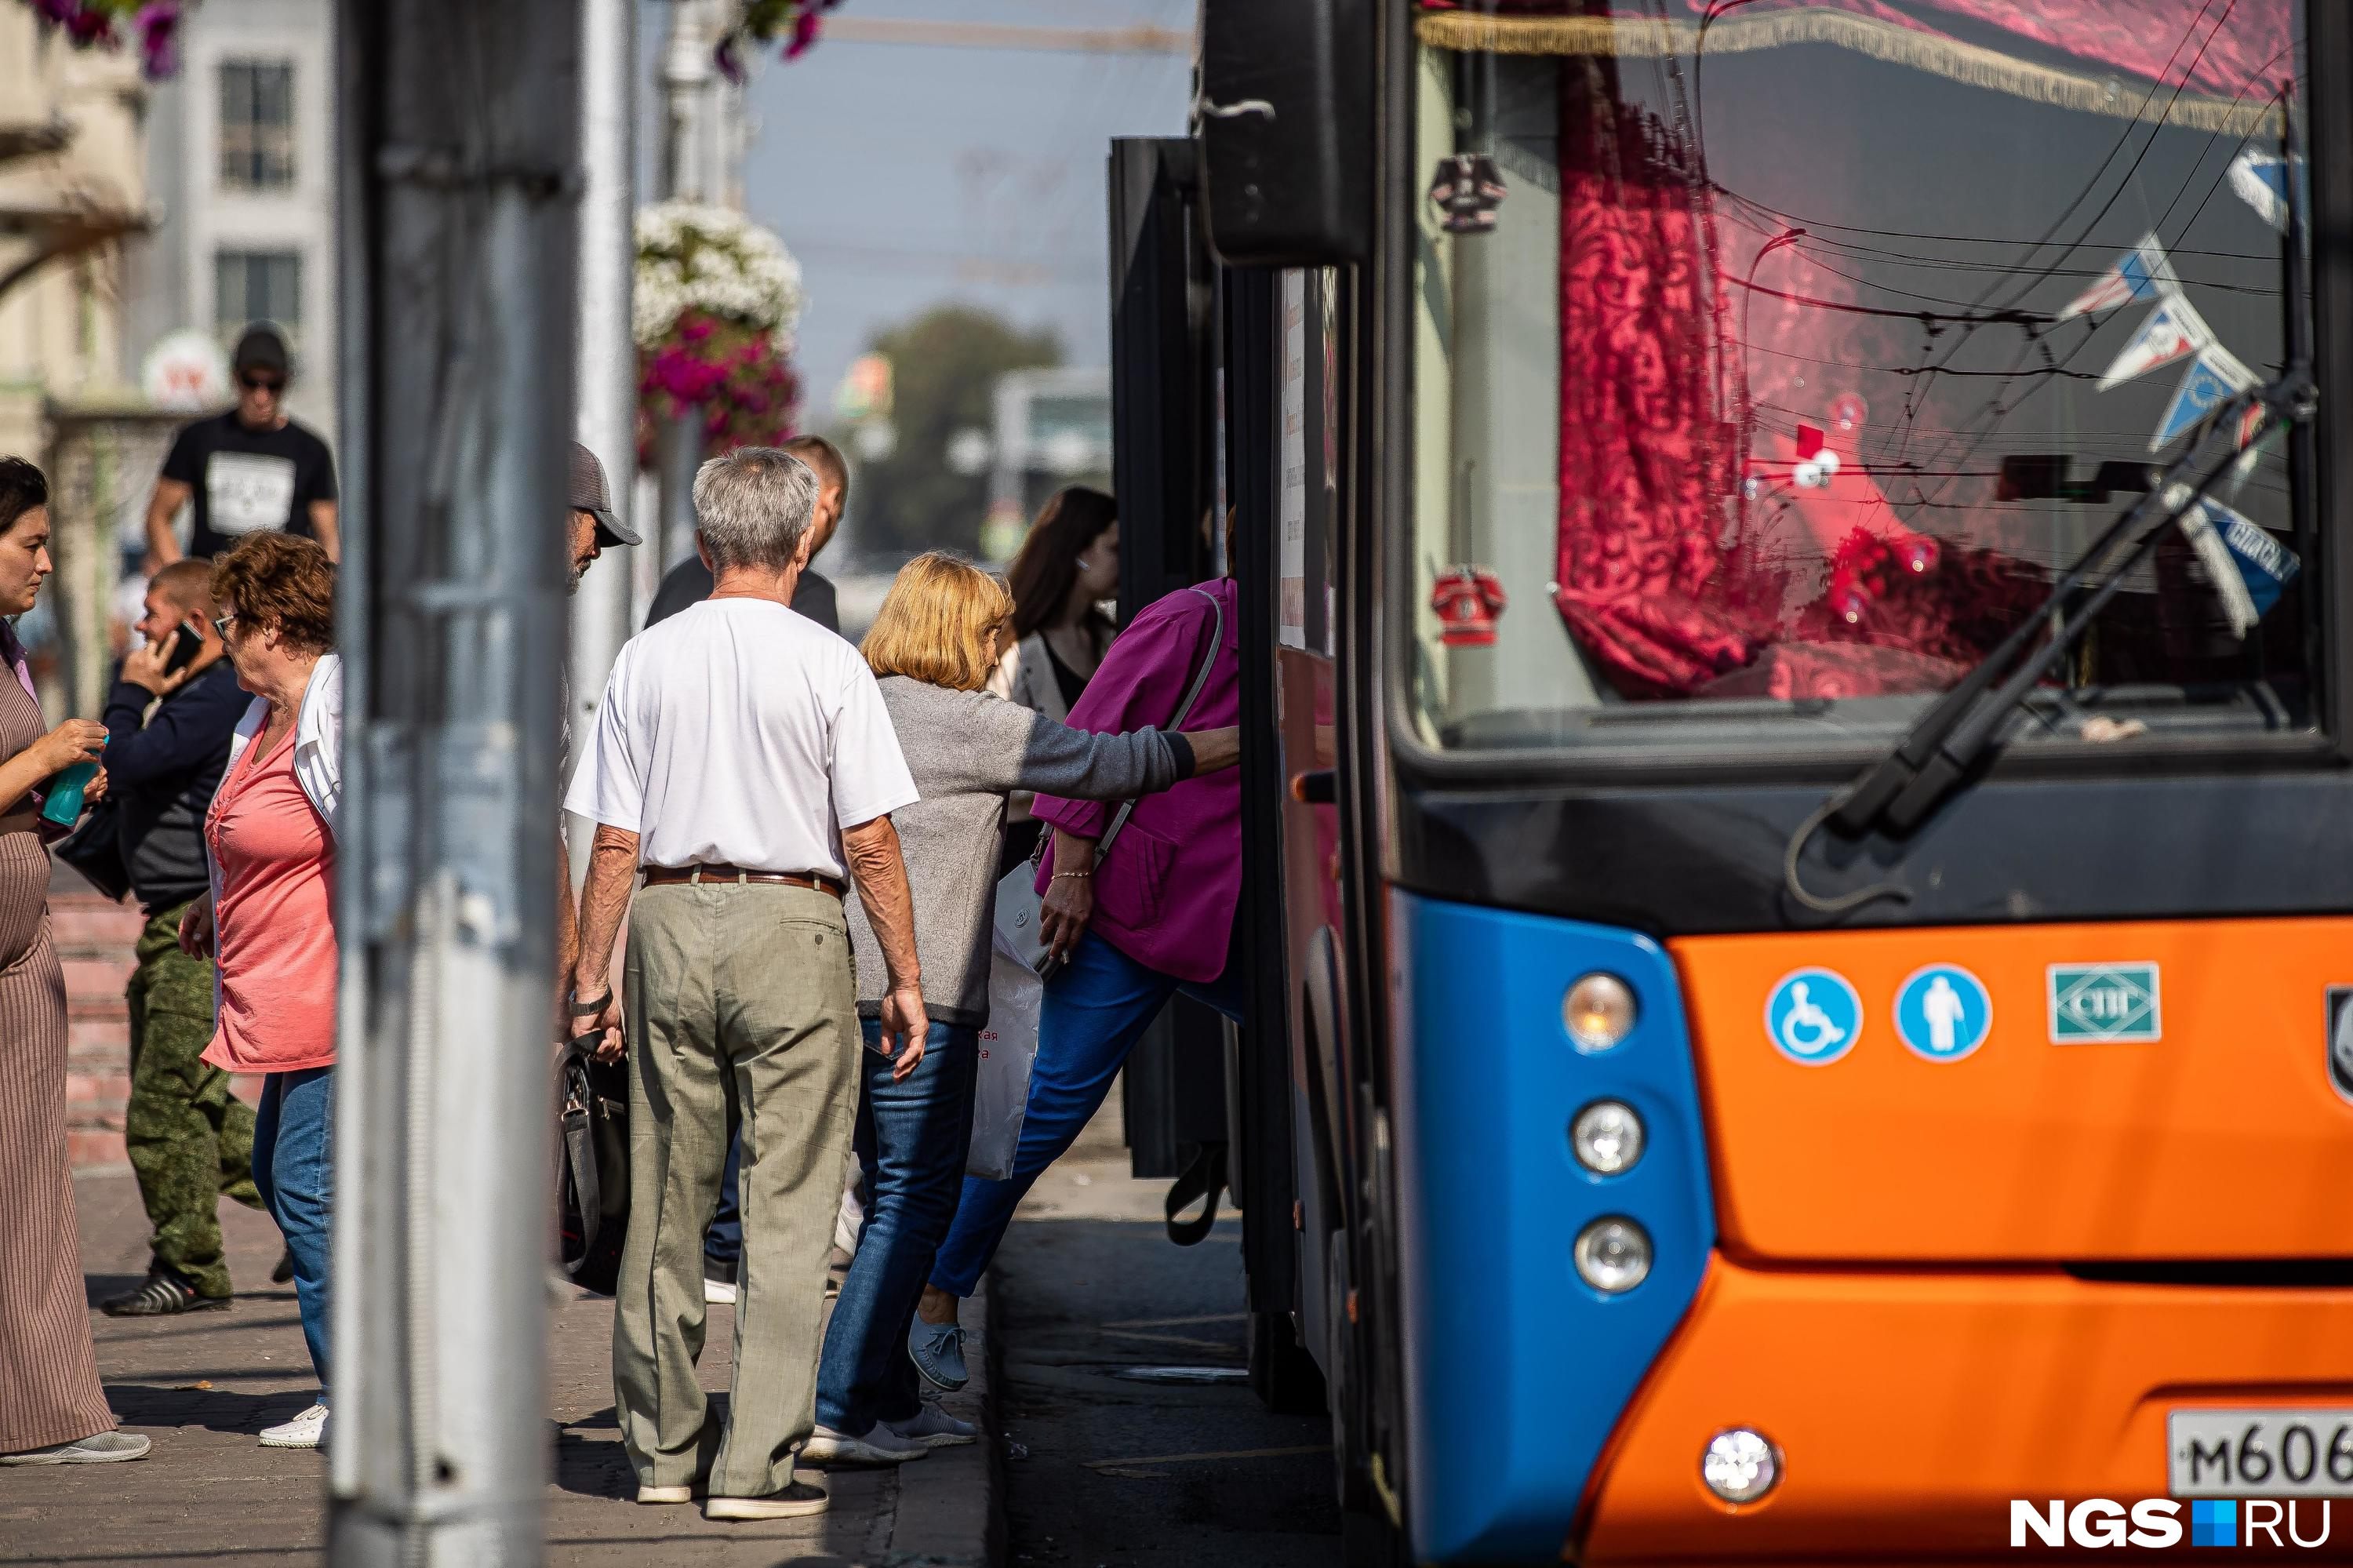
(689,582)
(191,1140)
(249,470)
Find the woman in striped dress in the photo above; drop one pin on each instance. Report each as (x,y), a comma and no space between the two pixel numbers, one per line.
(52,1411)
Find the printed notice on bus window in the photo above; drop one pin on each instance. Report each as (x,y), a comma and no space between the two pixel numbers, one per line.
(1291,589)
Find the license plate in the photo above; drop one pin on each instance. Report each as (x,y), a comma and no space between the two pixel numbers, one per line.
(2259,1453)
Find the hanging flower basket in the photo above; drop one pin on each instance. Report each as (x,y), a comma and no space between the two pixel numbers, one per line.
(152,25)
(716,301)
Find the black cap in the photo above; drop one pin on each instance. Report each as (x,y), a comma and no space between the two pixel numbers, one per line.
(261,348)
(590,495)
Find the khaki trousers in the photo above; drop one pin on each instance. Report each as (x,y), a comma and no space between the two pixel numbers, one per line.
(742,996)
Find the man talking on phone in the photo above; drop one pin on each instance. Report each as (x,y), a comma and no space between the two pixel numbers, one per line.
(168,722)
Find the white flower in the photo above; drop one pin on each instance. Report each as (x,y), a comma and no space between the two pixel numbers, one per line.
(693,257)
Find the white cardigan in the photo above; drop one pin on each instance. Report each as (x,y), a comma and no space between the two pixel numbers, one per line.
(318,741)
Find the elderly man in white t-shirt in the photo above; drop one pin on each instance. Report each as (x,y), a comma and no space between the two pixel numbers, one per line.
(743,760)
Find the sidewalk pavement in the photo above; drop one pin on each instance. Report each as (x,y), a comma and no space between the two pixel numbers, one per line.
(203,1384)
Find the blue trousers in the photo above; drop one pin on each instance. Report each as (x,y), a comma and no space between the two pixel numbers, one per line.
(294,1169)
(1094,1013)
(912,1139)
(722,1243)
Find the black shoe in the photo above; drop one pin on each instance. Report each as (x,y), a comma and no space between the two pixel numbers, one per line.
(163,1295)
(284,1273)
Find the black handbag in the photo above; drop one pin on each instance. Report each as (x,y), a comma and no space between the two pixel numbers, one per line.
(95,850)
(591,1167)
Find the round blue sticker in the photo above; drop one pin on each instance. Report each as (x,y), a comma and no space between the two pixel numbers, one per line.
(1813,1016)
(1943,1012)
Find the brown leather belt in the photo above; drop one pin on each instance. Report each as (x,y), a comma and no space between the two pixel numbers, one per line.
(659,875)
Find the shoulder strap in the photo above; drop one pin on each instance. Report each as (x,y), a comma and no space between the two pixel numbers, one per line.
(1184,711)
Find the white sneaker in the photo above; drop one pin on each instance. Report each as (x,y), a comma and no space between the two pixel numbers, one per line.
(934,1428)
(879,1446)
(797,1500)
(308,1430)
(98,1448)
(719,1292)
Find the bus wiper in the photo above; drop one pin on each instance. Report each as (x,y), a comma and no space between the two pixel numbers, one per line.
(1901,788)
(1898,792)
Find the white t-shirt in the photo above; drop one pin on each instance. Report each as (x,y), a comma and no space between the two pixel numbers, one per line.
(738,732)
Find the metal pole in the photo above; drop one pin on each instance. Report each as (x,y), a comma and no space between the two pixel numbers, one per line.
(460,142)
(603,610)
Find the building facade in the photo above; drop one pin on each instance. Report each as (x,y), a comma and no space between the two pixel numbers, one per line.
(240,158)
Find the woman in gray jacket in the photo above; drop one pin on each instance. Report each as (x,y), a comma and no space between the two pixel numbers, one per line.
(933,644)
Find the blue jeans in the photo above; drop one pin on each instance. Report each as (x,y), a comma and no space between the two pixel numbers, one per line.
(294,1169)
(911,1141)
(722,1243)
(1094,1013)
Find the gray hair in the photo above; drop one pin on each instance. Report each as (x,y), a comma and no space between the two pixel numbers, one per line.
(753,506)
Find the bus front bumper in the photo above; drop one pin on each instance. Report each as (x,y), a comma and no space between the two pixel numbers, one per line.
(1911,1408)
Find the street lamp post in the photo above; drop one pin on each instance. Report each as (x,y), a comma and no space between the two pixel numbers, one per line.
(460,148)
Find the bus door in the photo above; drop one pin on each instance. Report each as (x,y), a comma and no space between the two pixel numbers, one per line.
(1164,473)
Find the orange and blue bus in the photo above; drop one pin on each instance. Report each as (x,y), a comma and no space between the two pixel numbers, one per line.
(1800,794)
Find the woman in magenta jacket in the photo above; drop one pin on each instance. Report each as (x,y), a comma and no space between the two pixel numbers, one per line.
(1155,918)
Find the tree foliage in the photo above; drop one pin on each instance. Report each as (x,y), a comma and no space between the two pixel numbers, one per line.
(944,367)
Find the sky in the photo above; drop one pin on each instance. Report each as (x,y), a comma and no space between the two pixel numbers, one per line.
(905,176)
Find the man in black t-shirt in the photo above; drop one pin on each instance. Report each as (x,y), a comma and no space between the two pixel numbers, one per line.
(250,471)
(689,582)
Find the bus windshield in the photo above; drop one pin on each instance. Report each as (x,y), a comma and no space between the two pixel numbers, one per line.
(1774,356)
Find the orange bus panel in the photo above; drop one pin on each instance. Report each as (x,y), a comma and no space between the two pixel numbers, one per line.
(2223,1138)
(1911,1408)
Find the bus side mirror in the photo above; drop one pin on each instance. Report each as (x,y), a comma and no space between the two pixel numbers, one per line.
(1285,119)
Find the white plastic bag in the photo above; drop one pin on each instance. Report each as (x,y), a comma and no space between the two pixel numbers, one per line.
(1009,1047)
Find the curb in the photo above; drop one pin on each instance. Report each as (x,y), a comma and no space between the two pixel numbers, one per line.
(951,1506)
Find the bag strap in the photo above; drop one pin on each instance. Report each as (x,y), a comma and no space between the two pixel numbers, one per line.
(1184,711)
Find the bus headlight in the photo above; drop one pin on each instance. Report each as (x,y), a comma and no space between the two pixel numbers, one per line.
(1740,1466)
(1613,1254)
(1607,1137)
(1598,1011)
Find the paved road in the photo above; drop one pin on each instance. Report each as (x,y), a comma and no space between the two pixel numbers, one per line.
(202,1385)
(1120,1474)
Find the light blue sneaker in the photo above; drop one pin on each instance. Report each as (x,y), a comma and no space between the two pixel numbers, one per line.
(938,1350)
(934,1428)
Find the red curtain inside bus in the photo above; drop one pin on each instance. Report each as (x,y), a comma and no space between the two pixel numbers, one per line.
(1672,325)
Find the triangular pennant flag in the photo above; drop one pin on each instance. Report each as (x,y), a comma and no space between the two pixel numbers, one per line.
(2248,567)
(2214,378)
(2254,435)
(2261,181)
(2172,330)
(2266,565)
(2140,273)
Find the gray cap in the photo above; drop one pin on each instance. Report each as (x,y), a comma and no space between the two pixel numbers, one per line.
(589,494)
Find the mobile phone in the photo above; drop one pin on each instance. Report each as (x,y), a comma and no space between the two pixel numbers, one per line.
(186,645)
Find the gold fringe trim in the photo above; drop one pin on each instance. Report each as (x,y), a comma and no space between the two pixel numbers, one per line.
(1969,64)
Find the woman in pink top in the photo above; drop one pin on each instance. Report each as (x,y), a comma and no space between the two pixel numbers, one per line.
(270,917)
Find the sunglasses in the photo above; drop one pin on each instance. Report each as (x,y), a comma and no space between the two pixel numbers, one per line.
(220,627)
(262,383)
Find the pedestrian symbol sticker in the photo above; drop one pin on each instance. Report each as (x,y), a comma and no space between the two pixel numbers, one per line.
(2091,1003)
(1813,1016)
(1943,1012)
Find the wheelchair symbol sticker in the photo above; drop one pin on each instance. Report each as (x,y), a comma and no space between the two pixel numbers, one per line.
(1813,1016)
(1943,1012)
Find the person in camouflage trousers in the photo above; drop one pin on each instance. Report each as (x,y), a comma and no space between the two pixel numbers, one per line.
(168,720)
(191,1140)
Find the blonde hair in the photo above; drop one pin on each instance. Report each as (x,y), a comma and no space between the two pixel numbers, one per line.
(934,624)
